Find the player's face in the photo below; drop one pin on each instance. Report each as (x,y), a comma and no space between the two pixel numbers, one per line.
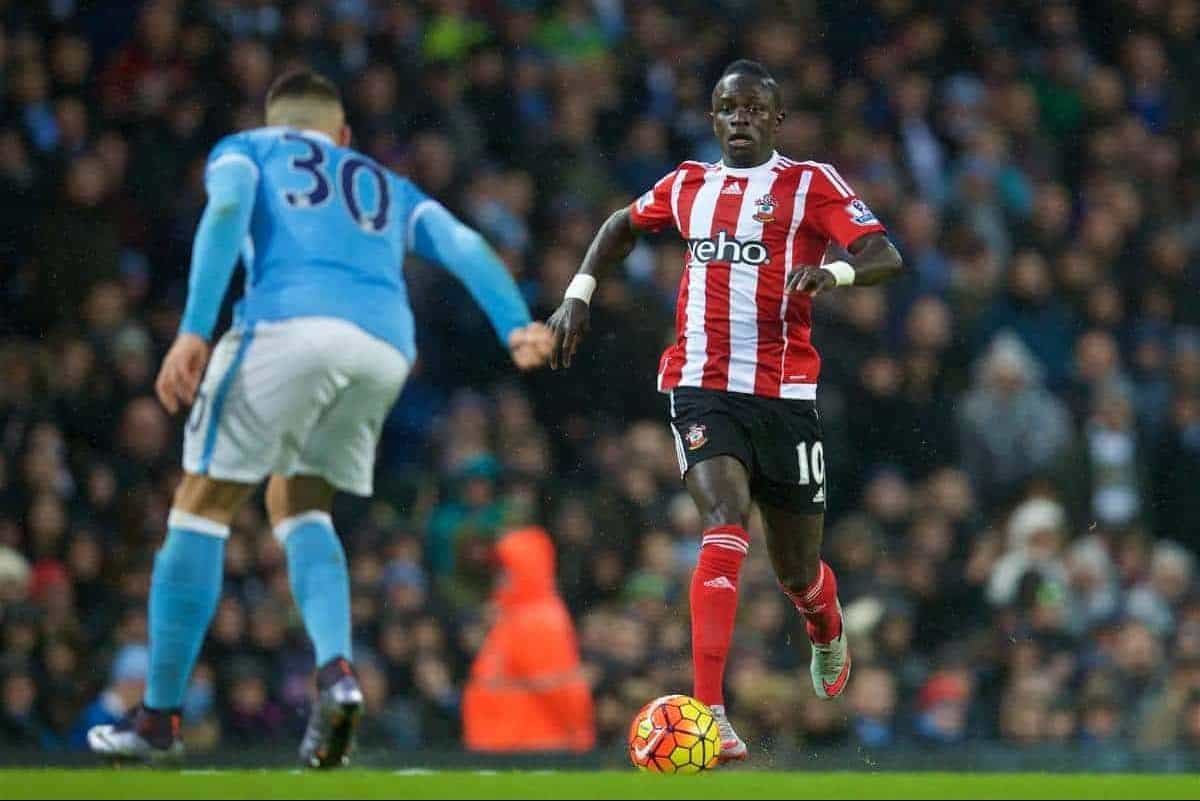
(745,118)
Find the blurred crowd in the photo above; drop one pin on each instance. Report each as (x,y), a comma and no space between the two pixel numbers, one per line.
(1013,430)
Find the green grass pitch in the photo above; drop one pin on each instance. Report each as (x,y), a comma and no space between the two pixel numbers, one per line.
(141,783)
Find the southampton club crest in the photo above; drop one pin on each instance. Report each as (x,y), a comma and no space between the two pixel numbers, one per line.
(697,435)
(766,209)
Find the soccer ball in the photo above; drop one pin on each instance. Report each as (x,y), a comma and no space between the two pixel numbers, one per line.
(674,734)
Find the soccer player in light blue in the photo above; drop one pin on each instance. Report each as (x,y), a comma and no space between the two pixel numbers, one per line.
(299,387)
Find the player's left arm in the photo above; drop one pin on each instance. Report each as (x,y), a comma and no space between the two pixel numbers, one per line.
(875,259)
(231,181)
(438,236)
(845,219)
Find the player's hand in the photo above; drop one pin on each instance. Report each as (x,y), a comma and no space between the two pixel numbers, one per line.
(568,326)
(810,280)
(530,346)
(181,371)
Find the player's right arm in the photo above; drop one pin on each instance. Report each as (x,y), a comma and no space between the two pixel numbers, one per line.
(612,243)
(231,180)
(436,235)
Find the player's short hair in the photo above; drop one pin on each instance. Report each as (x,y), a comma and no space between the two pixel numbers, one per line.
(303,84)
(754,69)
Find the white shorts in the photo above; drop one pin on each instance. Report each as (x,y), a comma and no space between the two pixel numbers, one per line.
(306,396)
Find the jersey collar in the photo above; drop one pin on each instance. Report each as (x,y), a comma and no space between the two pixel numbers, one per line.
(324,137)
(743,172)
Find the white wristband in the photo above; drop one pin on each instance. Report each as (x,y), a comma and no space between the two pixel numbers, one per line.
(581,288)
(842,271)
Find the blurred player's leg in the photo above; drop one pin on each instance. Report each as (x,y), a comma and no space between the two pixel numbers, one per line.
(794,542)
(184,590)
(299,509)
(721,489)
(361,377)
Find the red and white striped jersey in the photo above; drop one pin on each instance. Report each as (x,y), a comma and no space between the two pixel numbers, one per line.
(746,230)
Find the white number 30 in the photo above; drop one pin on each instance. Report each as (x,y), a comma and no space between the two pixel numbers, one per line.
(815,475)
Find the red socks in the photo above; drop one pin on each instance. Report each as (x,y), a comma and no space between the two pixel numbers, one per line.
(714,607)
(819,606)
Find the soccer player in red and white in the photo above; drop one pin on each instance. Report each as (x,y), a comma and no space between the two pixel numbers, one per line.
(742,374)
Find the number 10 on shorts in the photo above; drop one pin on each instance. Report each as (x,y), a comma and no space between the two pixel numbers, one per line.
(814,457)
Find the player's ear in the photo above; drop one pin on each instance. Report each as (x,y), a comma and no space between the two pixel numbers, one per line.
(344,136)
(779,117)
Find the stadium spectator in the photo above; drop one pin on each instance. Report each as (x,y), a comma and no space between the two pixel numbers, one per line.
(520,697)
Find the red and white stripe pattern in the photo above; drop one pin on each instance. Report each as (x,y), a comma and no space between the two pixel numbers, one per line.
(700,306)
(810,601)
(832,174)
(730,538)
(736,329)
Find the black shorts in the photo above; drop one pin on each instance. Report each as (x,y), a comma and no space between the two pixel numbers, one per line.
(778,441)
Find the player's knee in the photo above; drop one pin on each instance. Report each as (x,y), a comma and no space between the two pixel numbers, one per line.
(278,509)
(280,513)
(209,498)
(727,512)
(293,496)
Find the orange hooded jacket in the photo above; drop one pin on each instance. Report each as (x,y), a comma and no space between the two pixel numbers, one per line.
(527,691)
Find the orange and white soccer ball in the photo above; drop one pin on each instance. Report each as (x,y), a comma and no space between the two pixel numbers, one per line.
(674,734)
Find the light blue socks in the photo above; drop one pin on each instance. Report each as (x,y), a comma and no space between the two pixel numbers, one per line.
(184,591)
(320,582)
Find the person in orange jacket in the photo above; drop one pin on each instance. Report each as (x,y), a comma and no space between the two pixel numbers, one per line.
(527,691)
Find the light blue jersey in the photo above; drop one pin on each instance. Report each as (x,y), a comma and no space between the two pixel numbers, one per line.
(323,231)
